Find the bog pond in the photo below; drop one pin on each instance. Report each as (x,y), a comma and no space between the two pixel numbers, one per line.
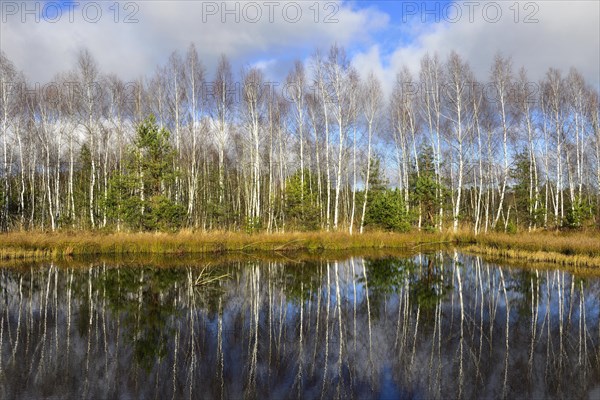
(433,325)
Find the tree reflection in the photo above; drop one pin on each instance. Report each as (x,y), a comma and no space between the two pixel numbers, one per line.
(427,326)
(424,278)
(525,284)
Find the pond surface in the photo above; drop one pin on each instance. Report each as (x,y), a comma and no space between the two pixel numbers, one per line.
(439,325)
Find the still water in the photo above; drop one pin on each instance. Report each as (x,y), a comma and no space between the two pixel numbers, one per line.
(439,325)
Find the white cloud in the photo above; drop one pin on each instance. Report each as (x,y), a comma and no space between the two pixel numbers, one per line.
(131,50)
(370,61)
(566,34)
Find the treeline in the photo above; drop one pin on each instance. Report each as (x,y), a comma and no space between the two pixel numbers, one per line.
(326,149)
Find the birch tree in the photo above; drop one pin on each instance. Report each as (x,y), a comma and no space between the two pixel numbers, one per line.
(195,83)
(253,102)
(431,76)
(224,96)
(501,78)
(337,70)
(458,75)
(89,92)
(8,90)
(372,100)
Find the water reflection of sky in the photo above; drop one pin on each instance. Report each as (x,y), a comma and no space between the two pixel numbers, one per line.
(430,326)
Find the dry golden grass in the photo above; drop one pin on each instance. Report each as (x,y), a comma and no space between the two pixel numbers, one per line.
(548,257)
(565,249)
(20,245)
(565,244)
(207,259)
(572,249)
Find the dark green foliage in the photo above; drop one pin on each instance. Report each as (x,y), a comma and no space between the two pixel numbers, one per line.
(153,157)
(220,213)
(521,175)
(387,211)
(140,196)
(576,214)
(377,182)
(301,210)
(252,225)
(82,185)
(425,189)
(385,207)
(510,227)
(163,214)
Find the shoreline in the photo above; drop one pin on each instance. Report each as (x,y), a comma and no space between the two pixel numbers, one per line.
(562,249)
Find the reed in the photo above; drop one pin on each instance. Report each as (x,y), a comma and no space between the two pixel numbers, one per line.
(547,257)
(565,249)
(35,245)
(565,244)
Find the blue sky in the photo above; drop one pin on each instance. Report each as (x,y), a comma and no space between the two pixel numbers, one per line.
(379,36)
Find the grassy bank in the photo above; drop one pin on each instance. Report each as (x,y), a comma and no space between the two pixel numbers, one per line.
(201,260)
(32,245)
(573,249)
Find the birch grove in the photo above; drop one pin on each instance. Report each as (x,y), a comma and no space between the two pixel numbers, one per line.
(327,148)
